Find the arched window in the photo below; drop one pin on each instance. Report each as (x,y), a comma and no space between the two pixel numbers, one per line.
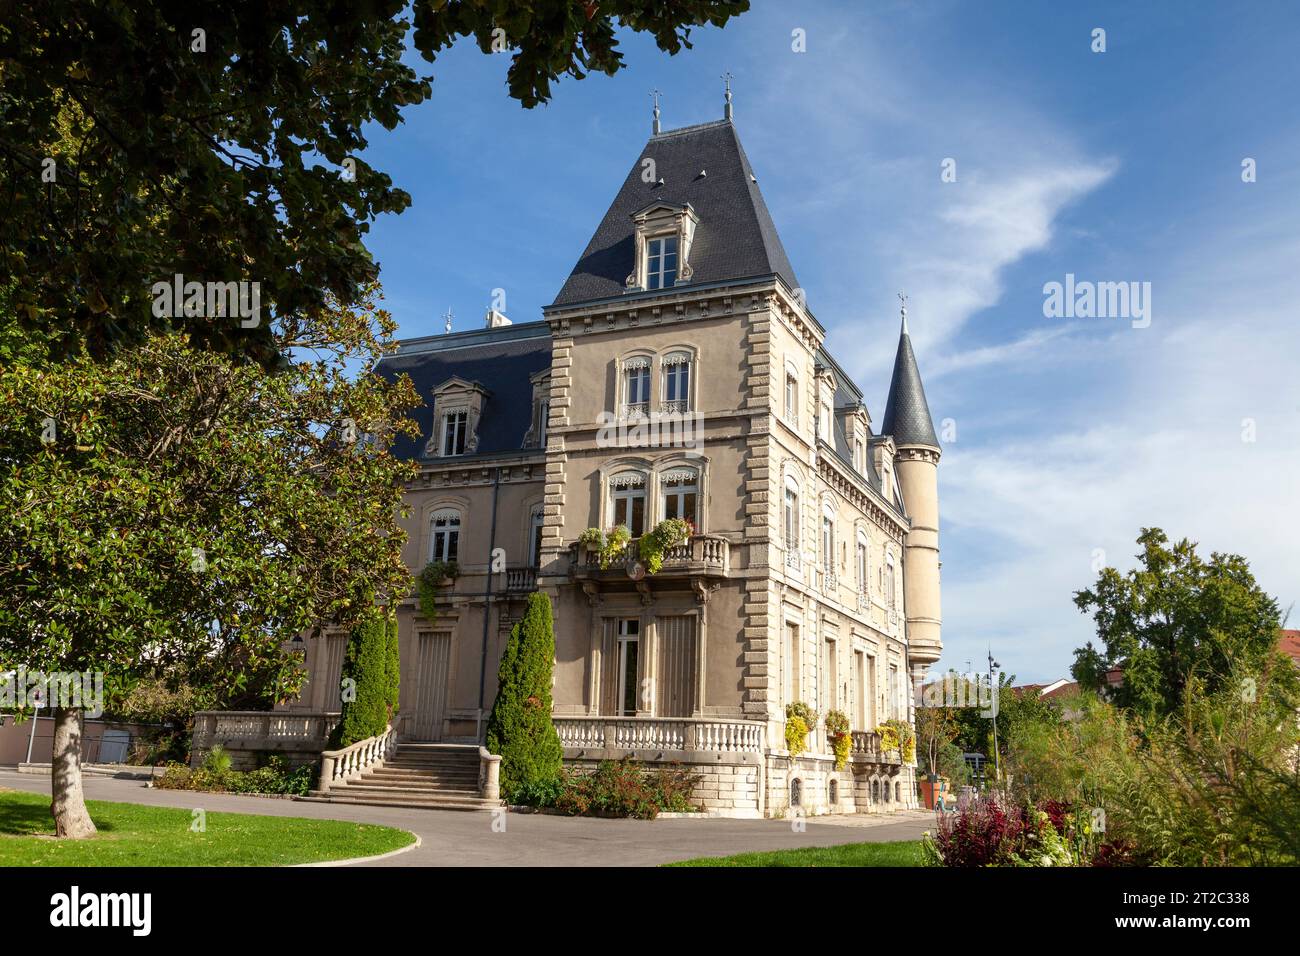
(627,501)
(444,542)
(791,395)
(790,522)
(681,492)
(828,540)
(834,792)
(898,791)
(796,792)
(636,386)
(535,537)
(875,791)
(677,382)
(863,580)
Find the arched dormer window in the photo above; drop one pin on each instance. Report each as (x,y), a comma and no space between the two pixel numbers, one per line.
(678,369)
(444,538)
(680,489)
(627,501)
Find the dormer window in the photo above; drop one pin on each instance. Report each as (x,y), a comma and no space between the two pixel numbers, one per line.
(661,263)
(457,406)
(455,427)
(663,235)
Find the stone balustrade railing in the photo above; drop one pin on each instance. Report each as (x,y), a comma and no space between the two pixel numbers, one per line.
(634,734)
(521,579)
(340,766)
(262,730)
(709,551)
(866,743)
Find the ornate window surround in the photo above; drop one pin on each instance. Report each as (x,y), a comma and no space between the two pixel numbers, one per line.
(456,395)
(659,220)
(653,471)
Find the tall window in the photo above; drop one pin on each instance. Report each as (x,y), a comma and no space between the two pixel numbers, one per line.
(681,492)
(629,644)
(790,519)
(791,398)
(828,542)
(444,544)
(627,502)
(661,263)
(636,386)
(677,382)
(790,677)
(889,580)
(535,537)
(454,428)
(862,564)
(543,419)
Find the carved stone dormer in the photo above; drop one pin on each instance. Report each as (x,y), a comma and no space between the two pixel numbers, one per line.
(535,437)
(662,228)
(457,408)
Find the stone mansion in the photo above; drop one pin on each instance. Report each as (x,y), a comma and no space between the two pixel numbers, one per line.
(677,374)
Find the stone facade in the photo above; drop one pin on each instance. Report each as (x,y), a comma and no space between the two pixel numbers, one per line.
(708,393)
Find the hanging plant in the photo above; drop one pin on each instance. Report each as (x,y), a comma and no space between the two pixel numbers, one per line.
(898,735)
(799,719)
(837,728)
(428,584)
(666,534)
(607,547)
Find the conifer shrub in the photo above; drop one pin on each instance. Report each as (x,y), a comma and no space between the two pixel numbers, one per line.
(366,663)
(520,728)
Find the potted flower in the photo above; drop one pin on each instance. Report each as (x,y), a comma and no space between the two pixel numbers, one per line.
(837,730)
(799,719)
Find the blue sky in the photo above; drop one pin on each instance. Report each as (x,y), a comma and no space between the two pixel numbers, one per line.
(1070,434)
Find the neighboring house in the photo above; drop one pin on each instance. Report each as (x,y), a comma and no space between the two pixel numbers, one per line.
(678,373)
(1288,642)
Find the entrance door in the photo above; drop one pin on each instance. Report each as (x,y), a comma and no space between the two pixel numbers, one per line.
(432,654)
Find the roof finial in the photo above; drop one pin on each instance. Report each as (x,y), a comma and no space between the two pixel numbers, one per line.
(447,316)
(726,77)
(902,297)
(654,95)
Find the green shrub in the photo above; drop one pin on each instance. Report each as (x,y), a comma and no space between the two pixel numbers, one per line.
(520,729)
(217,761)
(394,671)
(539,793)
(274,777)
(366,663)
(428,583)
(666,534)
(627,789)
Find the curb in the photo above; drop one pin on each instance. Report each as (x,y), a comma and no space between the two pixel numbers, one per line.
(367,859)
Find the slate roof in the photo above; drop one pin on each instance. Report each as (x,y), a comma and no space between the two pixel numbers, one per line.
(501,360)
(735,239)
(907,414)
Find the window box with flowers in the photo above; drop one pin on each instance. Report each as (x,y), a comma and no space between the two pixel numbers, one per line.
(799,720)
(665,535)
(606,547)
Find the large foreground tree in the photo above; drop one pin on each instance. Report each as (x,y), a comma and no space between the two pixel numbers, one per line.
(176,516)
(221,141)
(1175,618)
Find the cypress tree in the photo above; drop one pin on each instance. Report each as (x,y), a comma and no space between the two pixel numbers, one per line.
(394,667)
(366,663)
(520,728)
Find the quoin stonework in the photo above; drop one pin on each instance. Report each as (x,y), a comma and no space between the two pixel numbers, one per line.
(813,571)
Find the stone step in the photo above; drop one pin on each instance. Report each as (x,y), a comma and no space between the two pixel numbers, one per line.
(368,786)
(406,801)
(420,773)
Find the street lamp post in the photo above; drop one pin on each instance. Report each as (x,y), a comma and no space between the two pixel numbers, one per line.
(997,700)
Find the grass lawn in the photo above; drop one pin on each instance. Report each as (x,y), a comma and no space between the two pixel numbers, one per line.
(901,853)
(133,835)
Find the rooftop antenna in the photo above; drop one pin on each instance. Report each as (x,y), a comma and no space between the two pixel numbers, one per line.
(902,297)
(654,95)
(727,78)
(447,316)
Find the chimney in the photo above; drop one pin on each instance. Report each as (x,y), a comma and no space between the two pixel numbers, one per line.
(495,319)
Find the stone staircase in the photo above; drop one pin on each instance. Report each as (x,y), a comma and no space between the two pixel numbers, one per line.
(425,776)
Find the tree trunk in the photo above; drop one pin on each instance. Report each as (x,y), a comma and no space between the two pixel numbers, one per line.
(68,804)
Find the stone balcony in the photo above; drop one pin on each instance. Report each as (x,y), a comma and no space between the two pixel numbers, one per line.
(699,561)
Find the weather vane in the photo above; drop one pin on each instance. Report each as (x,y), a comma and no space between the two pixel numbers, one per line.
(654,95)
(726,79)
(447,316)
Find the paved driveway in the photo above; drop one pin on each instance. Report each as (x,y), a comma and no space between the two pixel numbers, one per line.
(453,838)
